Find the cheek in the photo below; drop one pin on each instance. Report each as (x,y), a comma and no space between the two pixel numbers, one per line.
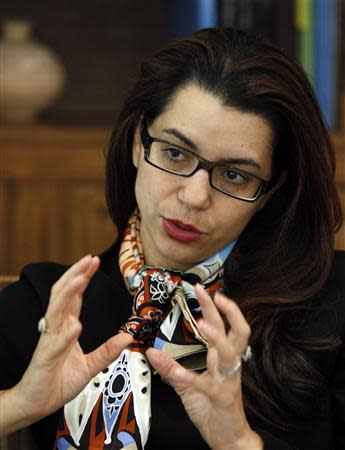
(154,182)
(236,218)
(150,188)
(142,191)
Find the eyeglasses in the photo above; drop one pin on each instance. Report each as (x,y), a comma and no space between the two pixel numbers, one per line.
(223,177)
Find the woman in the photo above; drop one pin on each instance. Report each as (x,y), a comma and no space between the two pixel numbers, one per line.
(219,161)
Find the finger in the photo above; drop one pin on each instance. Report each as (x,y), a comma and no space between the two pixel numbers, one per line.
(212,383)
(67,302)
(182,379)
(72,271)
(209,310)
(219,345)
(229,348)
(93,267)
(52,346)
(64,281)
(212,362)
(86,271)
(215,366)
(240,330)
(170,370)
(107,352)
(69,295)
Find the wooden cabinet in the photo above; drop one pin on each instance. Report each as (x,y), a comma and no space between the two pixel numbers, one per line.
(52,194)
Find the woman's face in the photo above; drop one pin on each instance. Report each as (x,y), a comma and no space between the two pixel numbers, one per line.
(184,219)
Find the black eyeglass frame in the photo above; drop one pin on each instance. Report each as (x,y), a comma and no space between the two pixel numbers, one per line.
(203,163)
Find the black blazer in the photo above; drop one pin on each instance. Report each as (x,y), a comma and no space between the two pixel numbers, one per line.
(107,305)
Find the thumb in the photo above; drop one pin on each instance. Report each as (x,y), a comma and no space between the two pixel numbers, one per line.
(170,370)
(107,352)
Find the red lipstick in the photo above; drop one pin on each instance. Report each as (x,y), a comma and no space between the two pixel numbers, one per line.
(181,231)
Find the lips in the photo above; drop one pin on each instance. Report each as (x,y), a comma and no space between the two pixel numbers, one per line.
(181,231)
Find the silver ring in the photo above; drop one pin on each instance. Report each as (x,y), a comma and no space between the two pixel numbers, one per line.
(247,354)
(42,325)
(44,328)
(229,373)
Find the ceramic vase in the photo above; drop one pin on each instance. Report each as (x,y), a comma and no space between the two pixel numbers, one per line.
(32,74)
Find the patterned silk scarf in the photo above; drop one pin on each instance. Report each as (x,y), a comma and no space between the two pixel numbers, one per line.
(113,411)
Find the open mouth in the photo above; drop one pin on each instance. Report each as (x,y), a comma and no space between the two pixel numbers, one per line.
(180,231)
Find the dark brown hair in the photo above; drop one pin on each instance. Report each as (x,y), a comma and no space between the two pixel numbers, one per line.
(284,255)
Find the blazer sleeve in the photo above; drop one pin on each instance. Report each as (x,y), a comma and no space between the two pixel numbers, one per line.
(22,304)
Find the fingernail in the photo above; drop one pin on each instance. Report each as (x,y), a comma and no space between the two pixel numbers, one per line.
(219,296)
(84,262)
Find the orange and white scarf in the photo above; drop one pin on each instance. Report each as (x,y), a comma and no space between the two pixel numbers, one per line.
(113,411)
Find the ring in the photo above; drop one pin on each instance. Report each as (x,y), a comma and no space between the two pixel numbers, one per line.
(44,328)
(247,354)
(42,325)
(229,373)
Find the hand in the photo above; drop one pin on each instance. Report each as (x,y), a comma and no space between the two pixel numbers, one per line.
(212,400)
(59,369)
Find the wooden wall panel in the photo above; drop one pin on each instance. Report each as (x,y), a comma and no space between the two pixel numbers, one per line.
(59,221)
(30,220)
(52,187)
(90,230)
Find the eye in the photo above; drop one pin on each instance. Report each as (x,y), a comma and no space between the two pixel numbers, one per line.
(175,154)
(235,177)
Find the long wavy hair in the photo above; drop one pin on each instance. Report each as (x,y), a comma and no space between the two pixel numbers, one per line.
(284,256)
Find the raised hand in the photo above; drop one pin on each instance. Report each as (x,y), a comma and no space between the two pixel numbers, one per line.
(59,369)
(213,399)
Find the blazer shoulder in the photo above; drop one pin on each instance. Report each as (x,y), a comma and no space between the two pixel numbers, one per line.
(42,275)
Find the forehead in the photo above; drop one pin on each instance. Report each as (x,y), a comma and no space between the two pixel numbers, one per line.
(218,131)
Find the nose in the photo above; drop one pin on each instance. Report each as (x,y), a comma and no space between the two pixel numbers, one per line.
(195,191)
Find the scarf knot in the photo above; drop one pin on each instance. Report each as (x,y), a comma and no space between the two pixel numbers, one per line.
(151,302)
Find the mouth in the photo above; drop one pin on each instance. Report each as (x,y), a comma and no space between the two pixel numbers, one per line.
(181,231)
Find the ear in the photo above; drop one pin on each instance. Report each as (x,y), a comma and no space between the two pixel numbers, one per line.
(136,146)
(264,199)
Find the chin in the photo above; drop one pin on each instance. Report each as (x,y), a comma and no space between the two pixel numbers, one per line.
(183,263)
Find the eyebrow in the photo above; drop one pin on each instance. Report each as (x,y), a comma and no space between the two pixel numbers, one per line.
(240,161)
